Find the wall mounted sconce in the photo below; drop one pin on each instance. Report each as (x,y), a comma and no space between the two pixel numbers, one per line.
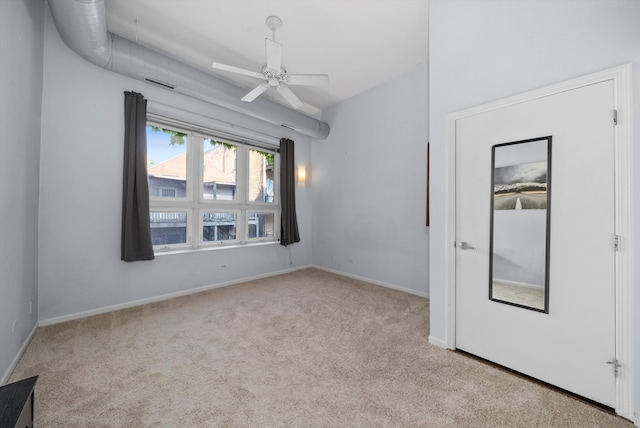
(302,175)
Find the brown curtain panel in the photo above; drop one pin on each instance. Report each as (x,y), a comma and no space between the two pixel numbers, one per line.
(288,220)
(136,241)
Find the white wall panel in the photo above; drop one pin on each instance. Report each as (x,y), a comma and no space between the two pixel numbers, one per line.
(21,50)
(369,185)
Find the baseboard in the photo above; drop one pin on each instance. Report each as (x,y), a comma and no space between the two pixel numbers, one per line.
(7,374)
(140,302)
(373,281)
(519,284)
(437,342)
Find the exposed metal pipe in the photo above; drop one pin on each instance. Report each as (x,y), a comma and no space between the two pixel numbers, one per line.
(82,24)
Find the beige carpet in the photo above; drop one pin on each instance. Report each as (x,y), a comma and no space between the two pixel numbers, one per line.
(303,349)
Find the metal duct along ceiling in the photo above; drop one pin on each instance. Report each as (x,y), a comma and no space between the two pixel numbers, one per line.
(82,24)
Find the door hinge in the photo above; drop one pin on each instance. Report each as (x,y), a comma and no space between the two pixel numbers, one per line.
(615,117)
(616,366)
(616,242)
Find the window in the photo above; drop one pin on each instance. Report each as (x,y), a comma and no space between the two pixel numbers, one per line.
(168,192)
(261,225)
(219,226)
(209,191)
(168,227)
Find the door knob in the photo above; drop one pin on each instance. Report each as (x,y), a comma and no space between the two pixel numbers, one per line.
(465,246)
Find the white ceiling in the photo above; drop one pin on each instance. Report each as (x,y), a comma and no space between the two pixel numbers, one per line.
(358,43)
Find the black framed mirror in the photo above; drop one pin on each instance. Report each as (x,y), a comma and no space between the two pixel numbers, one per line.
(520,223)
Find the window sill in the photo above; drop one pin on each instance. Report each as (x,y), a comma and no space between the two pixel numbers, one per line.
(167,252)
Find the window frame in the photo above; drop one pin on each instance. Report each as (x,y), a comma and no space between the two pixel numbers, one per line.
(219,243)
(195,203)
(276,224)
(177,246)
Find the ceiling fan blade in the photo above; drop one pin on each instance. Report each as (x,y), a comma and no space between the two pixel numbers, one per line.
(307,79)
(274,54)
(291,98)
(255,93)
(233,69)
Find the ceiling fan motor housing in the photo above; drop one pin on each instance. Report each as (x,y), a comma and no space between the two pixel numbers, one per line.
(274,77)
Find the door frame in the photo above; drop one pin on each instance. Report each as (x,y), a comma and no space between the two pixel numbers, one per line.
(624,307)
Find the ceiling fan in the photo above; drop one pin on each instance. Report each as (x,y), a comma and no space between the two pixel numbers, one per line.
(273,72)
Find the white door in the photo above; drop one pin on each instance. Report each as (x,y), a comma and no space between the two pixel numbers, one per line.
(571,344)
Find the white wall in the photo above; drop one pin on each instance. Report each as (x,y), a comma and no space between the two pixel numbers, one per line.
(80,197)
(21,48)
(369,185)
(483,50)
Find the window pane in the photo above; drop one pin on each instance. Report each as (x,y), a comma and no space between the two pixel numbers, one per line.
(168,227)
(166,162)
(261,225)
(168,192)
(261,176)
(219,170)
(218,226)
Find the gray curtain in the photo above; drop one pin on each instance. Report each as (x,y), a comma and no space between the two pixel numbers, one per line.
(288,220)
(136,229)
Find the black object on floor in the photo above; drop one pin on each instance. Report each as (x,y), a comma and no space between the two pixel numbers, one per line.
(16,404)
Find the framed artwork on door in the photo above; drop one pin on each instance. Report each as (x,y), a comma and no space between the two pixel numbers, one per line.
(428,173)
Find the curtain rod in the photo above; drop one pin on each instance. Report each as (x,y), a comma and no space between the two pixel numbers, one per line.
(209,132)
(197,122)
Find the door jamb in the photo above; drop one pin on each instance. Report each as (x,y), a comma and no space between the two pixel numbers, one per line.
(624,308)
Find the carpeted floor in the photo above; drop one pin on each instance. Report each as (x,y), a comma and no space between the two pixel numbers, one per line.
(307,348)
